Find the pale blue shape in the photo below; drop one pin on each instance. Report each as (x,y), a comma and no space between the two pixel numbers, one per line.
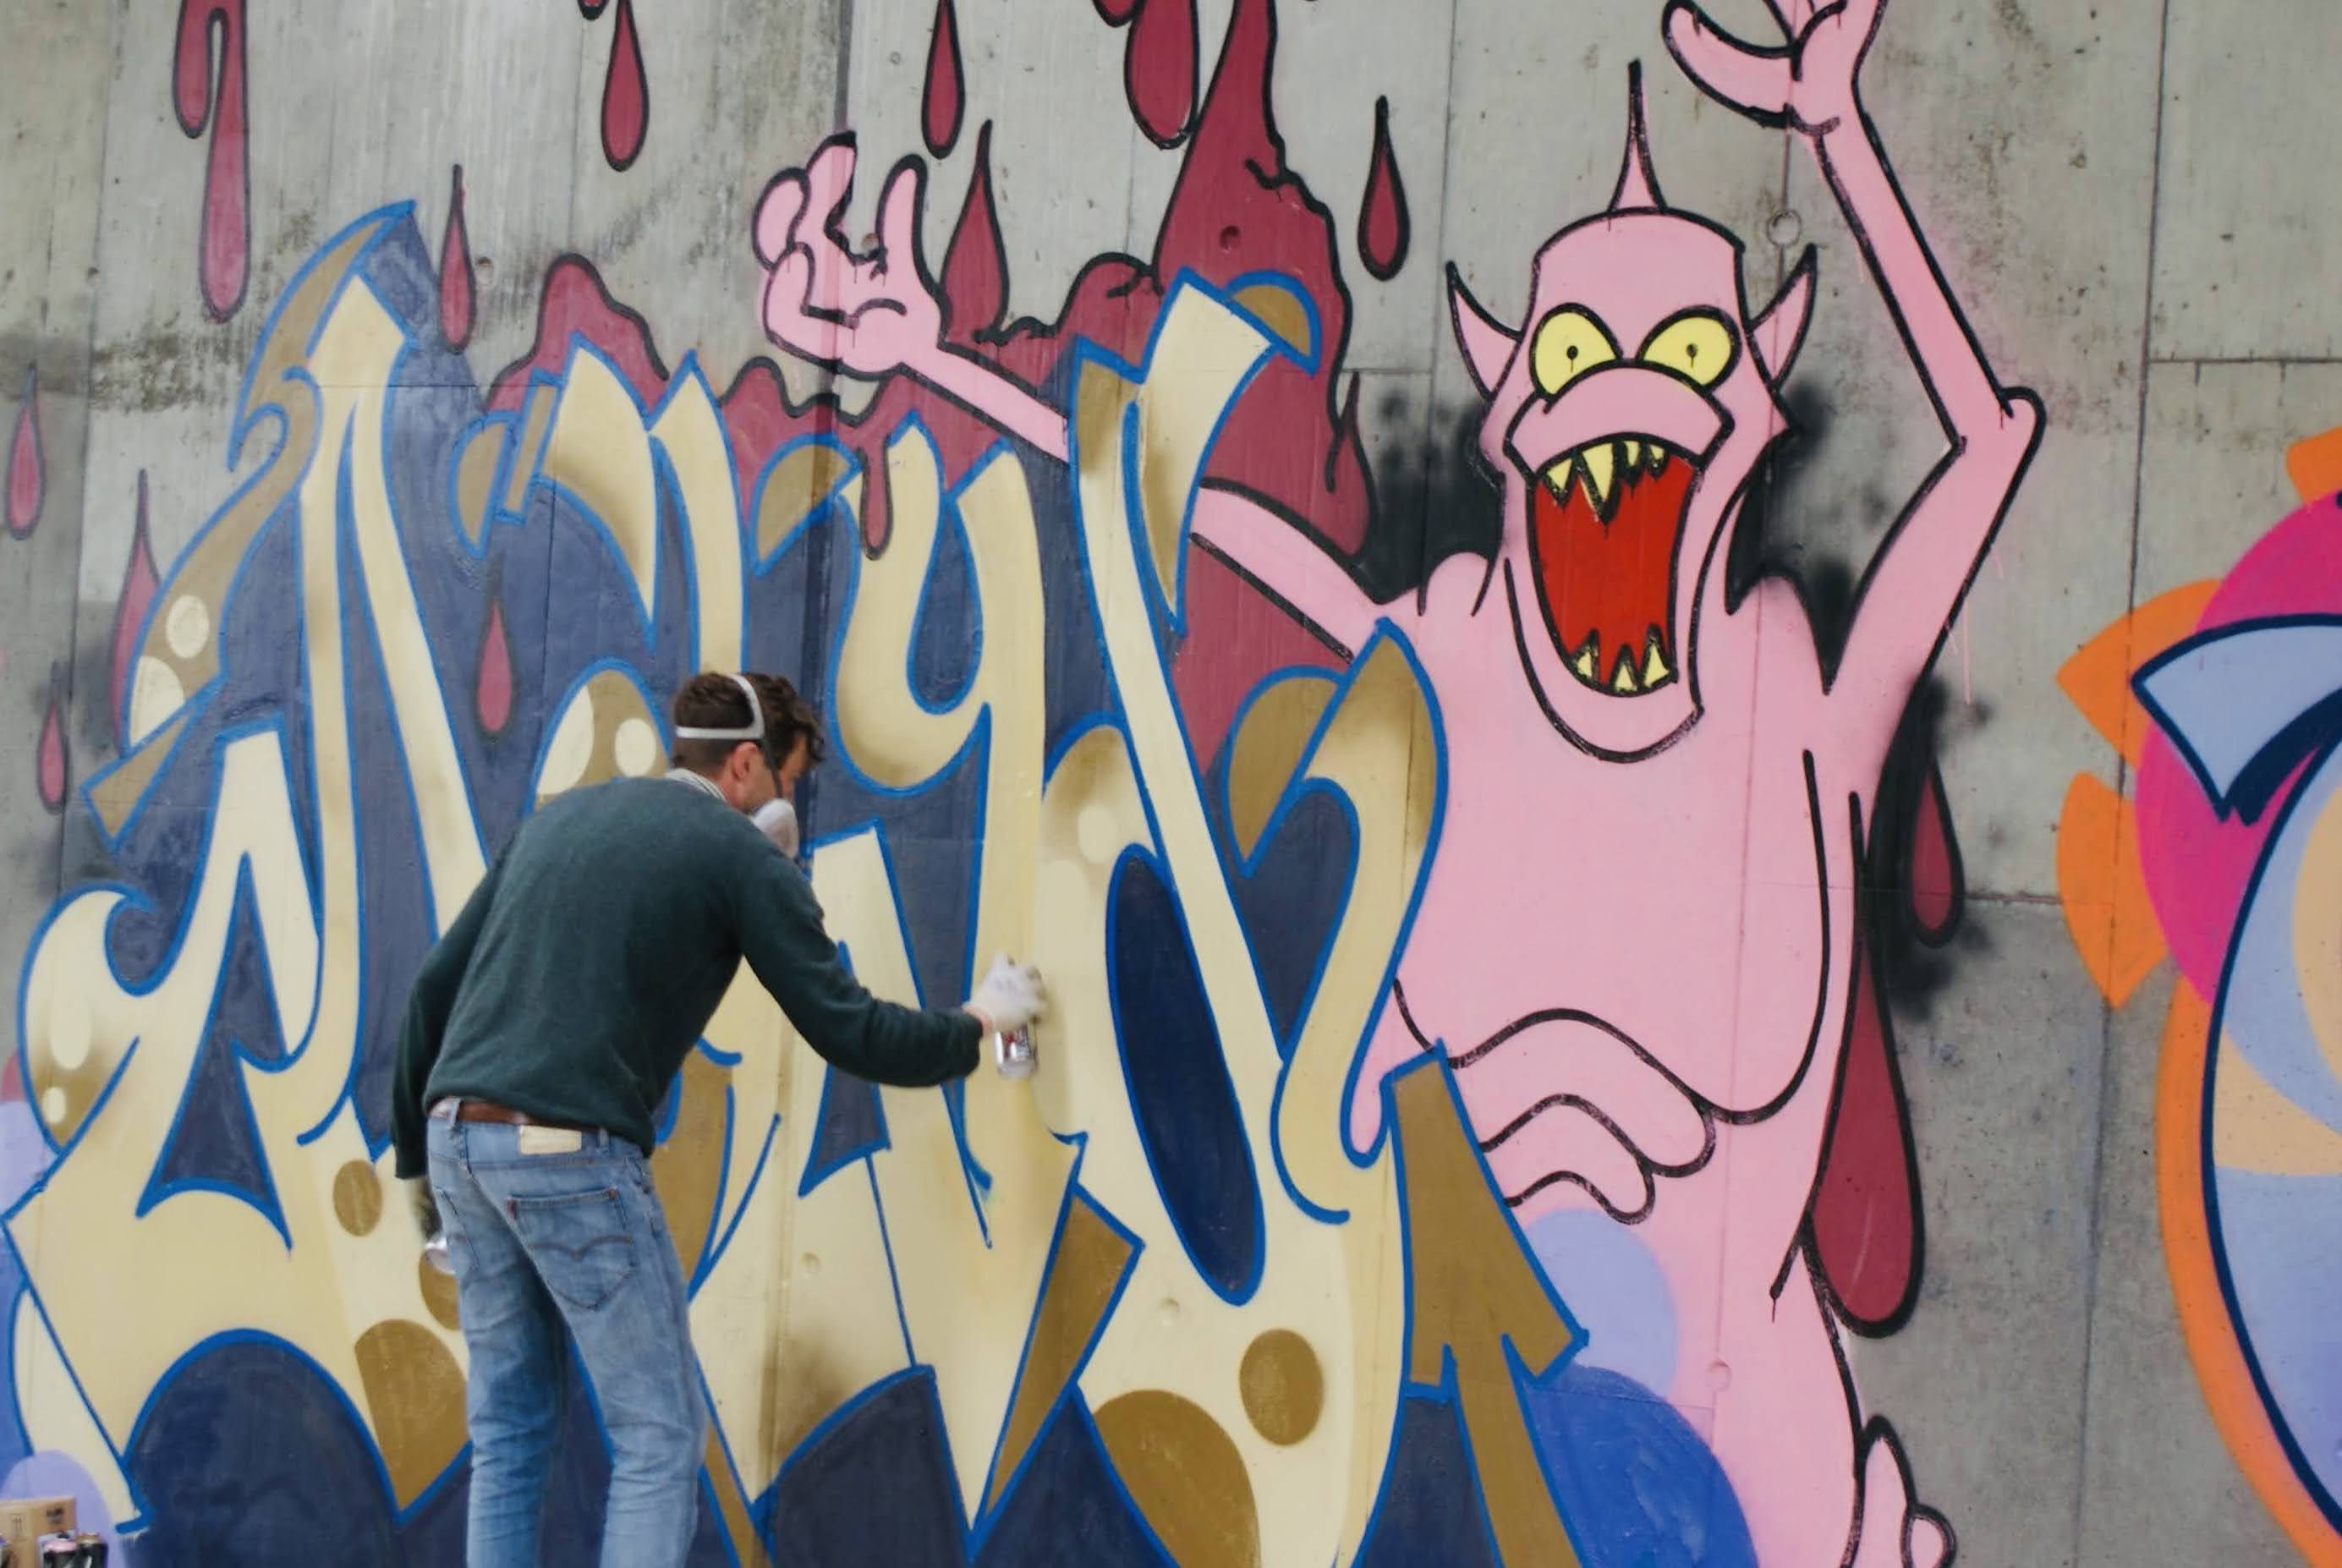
(2281,1237)
(1616,1290)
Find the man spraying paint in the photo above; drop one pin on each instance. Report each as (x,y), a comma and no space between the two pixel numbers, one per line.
(543,1030)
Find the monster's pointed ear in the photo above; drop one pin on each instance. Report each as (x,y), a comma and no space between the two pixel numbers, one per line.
(1486,343)
(1780,330)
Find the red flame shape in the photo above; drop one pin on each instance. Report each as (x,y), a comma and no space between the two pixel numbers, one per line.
(1158,70)
(139,585)
(458,282)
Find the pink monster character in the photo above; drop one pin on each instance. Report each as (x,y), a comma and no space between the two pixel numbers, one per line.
(1636,943)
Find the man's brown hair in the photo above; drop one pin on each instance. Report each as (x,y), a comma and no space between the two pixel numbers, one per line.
(714,701)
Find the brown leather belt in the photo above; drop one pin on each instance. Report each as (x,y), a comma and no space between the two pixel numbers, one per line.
(470,1110)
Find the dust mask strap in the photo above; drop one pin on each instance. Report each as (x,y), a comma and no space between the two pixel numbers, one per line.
(754,731)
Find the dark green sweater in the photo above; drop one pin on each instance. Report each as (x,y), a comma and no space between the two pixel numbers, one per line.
(583,969)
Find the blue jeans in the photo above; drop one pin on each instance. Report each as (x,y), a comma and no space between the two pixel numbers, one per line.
(551,1249)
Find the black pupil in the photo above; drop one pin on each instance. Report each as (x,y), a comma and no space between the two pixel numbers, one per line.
(1572,350)
(1692,350)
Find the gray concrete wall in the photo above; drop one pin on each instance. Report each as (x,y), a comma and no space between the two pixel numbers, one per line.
(2088,1336)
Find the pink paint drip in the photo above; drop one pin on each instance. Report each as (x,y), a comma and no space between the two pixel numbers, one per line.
(49,761)
(626,95)
(139,585)
(492,690)
(1930,875)
(27,466)
(226,250)
(458,281)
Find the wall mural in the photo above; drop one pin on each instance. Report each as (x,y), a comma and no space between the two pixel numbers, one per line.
(1471,1125)
(2223,851)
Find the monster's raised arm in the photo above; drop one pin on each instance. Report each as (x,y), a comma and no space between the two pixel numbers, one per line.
(873,315)
(1915,582)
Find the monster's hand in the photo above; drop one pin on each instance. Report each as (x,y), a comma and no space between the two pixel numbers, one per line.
(1810,85)
(869,316)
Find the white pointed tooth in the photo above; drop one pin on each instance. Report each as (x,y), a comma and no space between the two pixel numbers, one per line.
(1600,462)
(1624,682)
(1658,458)
(1634,455)
(1654,668)
(1558,475)
(1583,663)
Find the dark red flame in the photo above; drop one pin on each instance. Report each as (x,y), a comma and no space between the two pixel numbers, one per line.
(49,759)
(1116,12)
(1383,229)
(226,251)
(946,93)
(975,269)
(491,689)
(1934,872)
(139,585)
(626,94)
(458,282)
(28,469)
(1158,70)
(1865,1206)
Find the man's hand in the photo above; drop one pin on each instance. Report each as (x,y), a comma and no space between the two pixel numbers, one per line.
(422,1206)
(1011,997)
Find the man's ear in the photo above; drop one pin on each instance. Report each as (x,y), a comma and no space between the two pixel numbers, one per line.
(1488,344)
(1779,329)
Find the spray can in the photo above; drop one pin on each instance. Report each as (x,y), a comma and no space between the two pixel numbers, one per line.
(1014,1051)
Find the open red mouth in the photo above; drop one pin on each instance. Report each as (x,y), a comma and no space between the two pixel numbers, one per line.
(1604,522)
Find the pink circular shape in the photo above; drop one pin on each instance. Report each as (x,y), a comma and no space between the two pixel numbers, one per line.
(2197,865)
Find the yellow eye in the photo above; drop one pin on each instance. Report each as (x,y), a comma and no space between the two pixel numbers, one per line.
(1569,343)
(1696,346)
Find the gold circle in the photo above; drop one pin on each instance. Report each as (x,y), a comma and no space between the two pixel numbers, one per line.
(1283,1387)
(1186,1475)
(438,1291)
(357,1197)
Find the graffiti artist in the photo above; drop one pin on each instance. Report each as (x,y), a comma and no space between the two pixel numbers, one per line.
(543,1032)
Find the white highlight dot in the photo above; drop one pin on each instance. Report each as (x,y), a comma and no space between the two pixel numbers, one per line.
(68,1033)
(1094,830)
(186,624)
(636,748)
(53,1103)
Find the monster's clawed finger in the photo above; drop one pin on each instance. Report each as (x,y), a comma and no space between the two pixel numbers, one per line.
(898,212)
(777,217)
(1755,81)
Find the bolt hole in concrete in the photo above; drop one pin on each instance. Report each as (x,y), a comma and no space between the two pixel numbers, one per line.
(1787,228)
